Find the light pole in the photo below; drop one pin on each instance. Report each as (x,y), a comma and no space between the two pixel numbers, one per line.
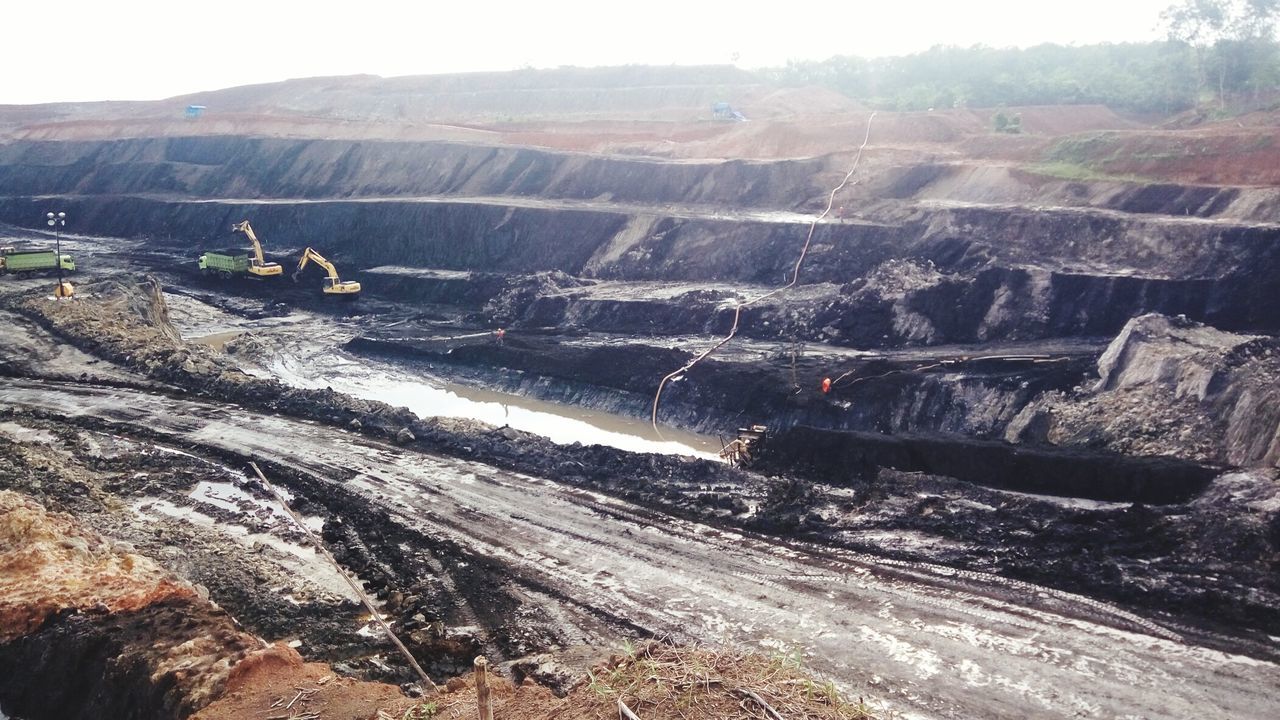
(58,221)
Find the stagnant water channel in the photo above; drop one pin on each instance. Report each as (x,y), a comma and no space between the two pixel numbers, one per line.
(306,354)
(428,396)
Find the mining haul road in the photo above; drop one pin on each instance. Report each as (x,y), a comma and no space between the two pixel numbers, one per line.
(931,641)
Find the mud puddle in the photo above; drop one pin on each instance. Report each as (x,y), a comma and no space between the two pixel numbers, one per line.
(300,561)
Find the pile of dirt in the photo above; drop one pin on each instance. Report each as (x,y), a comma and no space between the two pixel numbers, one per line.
(513,301)
(124,321)
(275,682)
(1171,386)
(892,284)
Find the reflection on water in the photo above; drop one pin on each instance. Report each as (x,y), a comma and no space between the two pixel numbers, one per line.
(427,396)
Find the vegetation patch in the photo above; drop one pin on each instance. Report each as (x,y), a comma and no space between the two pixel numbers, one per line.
(659,680)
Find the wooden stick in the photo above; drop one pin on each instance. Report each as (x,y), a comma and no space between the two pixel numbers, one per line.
(483,702)
(355,586)
(768,709)
(624,712)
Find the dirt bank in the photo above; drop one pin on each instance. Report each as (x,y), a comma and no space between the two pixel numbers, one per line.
(90,629)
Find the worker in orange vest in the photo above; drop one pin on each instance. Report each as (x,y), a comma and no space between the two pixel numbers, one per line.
(501,334)
(826,385)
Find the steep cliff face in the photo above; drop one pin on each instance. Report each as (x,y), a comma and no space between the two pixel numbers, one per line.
(1172,386)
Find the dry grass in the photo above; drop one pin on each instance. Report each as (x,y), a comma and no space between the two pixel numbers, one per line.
(658,680)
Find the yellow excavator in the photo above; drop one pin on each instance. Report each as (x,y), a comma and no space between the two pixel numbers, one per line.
(258,265)
(332,285)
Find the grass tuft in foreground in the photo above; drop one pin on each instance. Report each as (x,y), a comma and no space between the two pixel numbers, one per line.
(658,680)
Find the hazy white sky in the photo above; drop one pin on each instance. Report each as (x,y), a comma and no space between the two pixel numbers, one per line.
(148,49)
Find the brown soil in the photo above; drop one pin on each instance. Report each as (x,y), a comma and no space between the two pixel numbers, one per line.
(1217,155)
(49,565)
(276,682)
(666,112)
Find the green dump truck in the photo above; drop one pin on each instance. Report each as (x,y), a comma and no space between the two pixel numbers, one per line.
(32,260)
(212,263)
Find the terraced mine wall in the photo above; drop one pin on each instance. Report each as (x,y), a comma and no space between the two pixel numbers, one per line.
(531,238)
(996,274)
(222,167)
(1002,271)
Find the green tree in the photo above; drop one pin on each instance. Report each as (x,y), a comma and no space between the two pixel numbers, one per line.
(1235,39)
(1145,77)
(1199,24)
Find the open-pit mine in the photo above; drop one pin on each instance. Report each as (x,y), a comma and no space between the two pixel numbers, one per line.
(579,377)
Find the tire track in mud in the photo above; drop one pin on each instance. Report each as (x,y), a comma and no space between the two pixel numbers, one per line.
(845,566)
(937,641)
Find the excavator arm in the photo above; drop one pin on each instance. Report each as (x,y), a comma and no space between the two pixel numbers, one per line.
(244,227)
(332,284)
(310,255)
(258,264)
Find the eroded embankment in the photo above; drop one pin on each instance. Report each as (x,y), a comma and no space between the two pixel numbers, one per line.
(1077,473)
(91,631)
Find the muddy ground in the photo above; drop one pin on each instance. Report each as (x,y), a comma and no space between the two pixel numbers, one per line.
(155,457)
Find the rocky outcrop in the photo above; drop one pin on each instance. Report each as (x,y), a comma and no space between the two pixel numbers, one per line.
(1170,386)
